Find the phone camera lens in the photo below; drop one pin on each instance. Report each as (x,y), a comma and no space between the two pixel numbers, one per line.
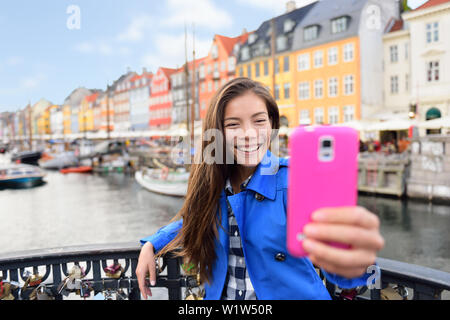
(326,143)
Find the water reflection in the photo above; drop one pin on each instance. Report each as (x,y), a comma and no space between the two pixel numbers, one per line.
(415,232)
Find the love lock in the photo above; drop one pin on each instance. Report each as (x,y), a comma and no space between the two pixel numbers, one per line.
(43,293)
(6,290)
(114,271)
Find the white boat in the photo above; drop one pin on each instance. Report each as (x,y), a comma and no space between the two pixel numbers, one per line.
(163,182)
(60,161)
(20,175)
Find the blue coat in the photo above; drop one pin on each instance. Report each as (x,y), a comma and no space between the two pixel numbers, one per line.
(260,212)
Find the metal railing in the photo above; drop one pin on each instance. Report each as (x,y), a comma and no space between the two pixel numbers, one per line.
(409,281)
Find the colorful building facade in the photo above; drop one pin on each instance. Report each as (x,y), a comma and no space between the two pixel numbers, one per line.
(160,106)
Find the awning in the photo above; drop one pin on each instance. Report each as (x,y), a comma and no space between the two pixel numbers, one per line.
(436,123)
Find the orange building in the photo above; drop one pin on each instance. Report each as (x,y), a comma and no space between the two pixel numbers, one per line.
(218,67)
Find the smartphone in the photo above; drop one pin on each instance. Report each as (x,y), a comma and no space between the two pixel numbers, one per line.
(323,172)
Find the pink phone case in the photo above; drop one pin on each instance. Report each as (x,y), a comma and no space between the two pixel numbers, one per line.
(317,181)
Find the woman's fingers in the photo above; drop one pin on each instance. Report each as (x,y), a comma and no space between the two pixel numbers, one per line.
(357,216)
(340,258)
(356,236)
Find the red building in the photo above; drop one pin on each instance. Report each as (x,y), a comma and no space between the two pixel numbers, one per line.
(161,99)
(218,67)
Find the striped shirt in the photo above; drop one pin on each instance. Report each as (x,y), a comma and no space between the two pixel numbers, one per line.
(237,284)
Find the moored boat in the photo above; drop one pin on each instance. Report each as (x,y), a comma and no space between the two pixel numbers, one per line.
(81,169)
(163,182)
(27,157)
(20,176)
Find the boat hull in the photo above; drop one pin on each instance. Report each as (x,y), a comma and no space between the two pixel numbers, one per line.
(169,188)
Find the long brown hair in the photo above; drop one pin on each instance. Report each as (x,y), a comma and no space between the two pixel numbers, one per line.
(197,236)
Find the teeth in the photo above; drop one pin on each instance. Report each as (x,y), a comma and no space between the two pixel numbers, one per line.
(248,149)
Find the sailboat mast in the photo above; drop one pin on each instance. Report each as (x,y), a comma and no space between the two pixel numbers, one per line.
(186,77)
(193,90)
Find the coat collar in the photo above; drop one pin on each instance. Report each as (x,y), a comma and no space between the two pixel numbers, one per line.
(264,179)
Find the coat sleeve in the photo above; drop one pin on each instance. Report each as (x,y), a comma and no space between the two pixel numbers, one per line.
(164,235)
(364,280)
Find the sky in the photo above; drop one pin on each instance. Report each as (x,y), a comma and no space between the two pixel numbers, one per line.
(49,48)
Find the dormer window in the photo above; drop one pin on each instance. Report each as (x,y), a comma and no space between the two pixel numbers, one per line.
(339,24)
(288,25)
(252,38)
(215,52)
(281,43)
(310,33)
(269,32)
(236,48)
(245,53)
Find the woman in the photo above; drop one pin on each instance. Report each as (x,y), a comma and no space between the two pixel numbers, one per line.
(233,222)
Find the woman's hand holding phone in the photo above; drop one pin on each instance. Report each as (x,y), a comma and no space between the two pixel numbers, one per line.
(355,226)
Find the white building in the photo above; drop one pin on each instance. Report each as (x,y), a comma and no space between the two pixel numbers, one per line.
(397,69)
(430,58)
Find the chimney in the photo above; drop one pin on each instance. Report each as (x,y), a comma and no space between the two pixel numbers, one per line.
(144,71)
(290,6)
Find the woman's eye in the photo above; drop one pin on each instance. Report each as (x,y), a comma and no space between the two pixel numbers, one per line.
(261,121)
(230,125)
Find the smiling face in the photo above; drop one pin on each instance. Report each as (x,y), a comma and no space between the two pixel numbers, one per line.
(247,129)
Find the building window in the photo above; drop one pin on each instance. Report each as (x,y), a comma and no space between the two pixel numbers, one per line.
(286,64)
(231,63)
(406,51)
(333,56)
(333,115)
(349,113)
(241,72)
(333,87)
(318,89)
(303,62)
(407,82)
(287,89)
(304,117)
(432,32)
(223,65)
(433,71)
(257,69)
(318,116)
(245,53)
(303,90)
(277,66)
(318,59)
(349,86)
(216,85)
(277,92)
(310,33)
(209,86)
(349,52)
(249,71)
(339,25)
(394,53)
(266,68)
(394,84)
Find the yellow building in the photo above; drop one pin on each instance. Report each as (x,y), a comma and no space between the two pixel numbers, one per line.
(67,123)
(86,113)
(327,80)
(262,70)
(328,60)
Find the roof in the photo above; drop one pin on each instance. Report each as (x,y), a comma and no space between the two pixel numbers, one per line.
(394,25)
(167,71)
(431,3)
(261,37)
(229,43)
(92,97)
(321,15)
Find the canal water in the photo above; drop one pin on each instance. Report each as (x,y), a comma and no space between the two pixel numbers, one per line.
(78,209)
